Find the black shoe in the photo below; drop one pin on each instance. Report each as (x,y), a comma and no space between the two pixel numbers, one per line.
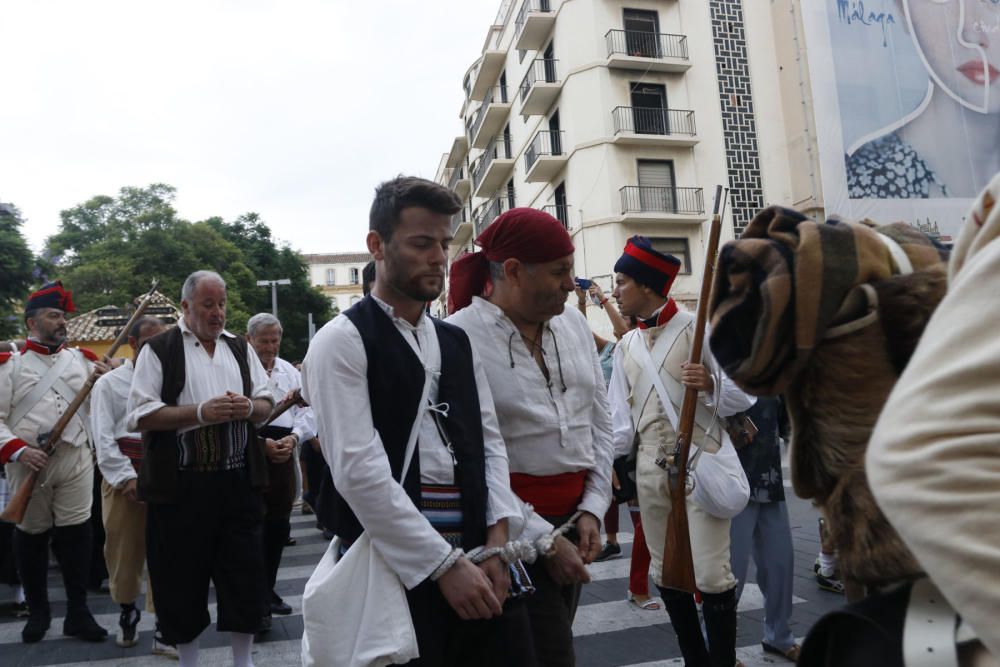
(36,627)
(291,541)
(128,621)
(279,607)
(609,552)
(306,510)
(81,624)
(265,625)
(19,610)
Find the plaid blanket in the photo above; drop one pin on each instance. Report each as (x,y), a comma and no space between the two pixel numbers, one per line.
(778,288)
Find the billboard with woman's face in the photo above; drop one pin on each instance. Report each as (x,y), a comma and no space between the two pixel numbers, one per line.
(907,104)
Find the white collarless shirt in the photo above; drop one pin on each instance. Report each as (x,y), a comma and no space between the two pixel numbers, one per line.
(335,384)
(284,378)
(108,423)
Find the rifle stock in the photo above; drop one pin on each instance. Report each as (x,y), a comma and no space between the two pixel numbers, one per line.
(18,503)
(678,562)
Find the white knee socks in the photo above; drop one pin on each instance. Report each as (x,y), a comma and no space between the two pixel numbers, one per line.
(242,644)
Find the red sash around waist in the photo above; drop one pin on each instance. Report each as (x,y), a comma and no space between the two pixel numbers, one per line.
(131,447)
(550,495)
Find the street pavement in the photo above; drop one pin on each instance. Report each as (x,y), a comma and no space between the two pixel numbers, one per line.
(608,630)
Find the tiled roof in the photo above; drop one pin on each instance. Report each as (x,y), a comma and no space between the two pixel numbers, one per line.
(339,258)
(92,326)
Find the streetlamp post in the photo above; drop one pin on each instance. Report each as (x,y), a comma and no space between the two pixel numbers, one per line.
(274,291)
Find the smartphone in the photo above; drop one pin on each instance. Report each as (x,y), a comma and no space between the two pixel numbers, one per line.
(583,283)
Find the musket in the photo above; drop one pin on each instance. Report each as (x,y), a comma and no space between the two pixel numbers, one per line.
(284,406)
(678,563)
(18,504)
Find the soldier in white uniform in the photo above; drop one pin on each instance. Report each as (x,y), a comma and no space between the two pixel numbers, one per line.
(36,387)
(642,286)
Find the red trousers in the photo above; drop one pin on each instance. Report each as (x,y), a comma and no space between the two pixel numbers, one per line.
(638,579)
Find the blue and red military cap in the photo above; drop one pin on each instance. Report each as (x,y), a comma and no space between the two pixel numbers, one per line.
(646,266)
(50,295)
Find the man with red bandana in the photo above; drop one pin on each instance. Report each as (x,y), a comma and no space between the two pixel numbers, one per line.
(551,404)
(36,387)
(643,278)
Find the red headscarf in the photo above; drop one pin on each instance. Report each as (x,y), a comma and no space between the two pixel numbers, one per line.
(526,234)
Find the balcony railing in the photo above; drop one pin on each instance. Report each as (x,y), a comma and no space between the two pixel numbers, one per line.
(457,174)
(496,94)
(546,142)
(653,120)
(458,219)
(540,70)
(560,212)
(488,212)
(499,148)
(528,6)
(648,199)
(646,44)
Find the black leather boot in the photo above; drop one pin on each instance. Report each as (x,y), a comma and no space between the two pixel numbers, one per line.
(684,617)
(31,553)
(719,610)
(73,544)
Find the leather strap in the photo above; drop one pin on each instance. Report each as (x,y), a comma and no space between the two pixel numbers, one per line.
(929,628)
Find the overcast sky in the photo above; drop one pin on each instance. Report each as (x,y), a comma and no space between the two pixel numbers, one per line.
(293,109)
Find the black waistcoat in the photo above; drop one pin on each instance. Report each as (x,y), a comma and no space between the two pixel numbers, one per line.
(395,383)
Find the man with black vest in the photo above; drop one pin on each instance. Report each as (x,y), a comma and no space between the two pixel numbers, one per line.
(364,376)
(196,392)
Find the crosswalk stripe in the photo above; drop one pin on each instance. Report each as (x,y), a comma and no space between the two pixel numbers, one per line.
(601,617)
(286,652)
(750,656)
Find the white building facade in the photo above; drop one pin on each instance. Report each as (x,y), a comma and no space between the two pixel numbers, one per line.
(620,117)
(339,276)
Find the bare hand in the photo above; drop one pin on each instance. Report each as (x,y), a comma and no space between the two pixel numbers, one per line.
(581,295)
(278,451)
(469,591)
(588,530)
(565,566)
(33,457)
(222,409)
(242,406)
(101,367)
(130,490)
(597,292)
(697,377)
(499,575)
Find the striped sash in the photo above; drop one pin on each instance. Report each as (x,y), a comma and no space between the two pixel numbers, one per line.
(442,506)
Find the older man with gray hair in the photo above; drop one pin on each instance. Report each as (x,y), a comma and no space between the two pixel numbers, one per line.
(196,392)
(282,436)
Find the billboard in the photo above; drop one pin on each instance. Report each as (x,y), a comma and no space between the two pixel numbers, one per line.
(907,105)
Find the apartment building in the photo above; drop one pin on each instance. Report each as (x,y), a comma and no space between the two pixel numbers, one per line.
(338,275)
(619,117)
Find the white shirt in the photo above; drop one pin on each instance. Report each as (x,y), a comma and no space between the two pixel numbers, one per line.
(285,378)
(547,430)
(108,410)
(205,377)
(335,384)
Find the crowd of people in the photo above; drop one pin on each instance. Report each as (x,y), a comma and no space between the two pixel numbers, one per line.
(481,454)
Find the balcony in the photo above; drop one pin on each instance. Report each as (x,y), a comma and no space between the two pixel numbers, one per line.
(544,157)
(491,116)
(461,227)
(652,126)
(540,87)
(560,212)
(493,167)
(489,211)
(647,51)
(459,149)
(533,24)
(459,182)
(490,65)
(662,204)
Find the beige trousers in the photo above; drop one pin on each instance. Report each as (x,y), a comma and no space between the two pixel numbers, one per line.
(63,493)
(709,534)
(124,545)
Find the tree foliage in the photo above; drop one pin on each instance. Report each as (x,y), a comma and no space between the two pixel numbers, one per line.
(17,264)
(109,249)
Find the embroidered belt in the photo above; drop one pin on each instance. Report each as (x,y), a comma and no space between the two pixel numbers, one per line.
(213,448)
(442,506)
(550,495)
(131,447)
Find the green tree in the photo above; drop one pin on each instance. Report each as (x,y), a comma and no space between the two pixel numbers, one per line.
(268,261)
(109,249)
(17,264)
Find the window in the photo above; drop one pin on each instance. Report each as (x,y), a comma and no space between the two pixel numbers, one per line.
(331,277)
(561,212)
(355,276)
(678,247)
(641,33)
